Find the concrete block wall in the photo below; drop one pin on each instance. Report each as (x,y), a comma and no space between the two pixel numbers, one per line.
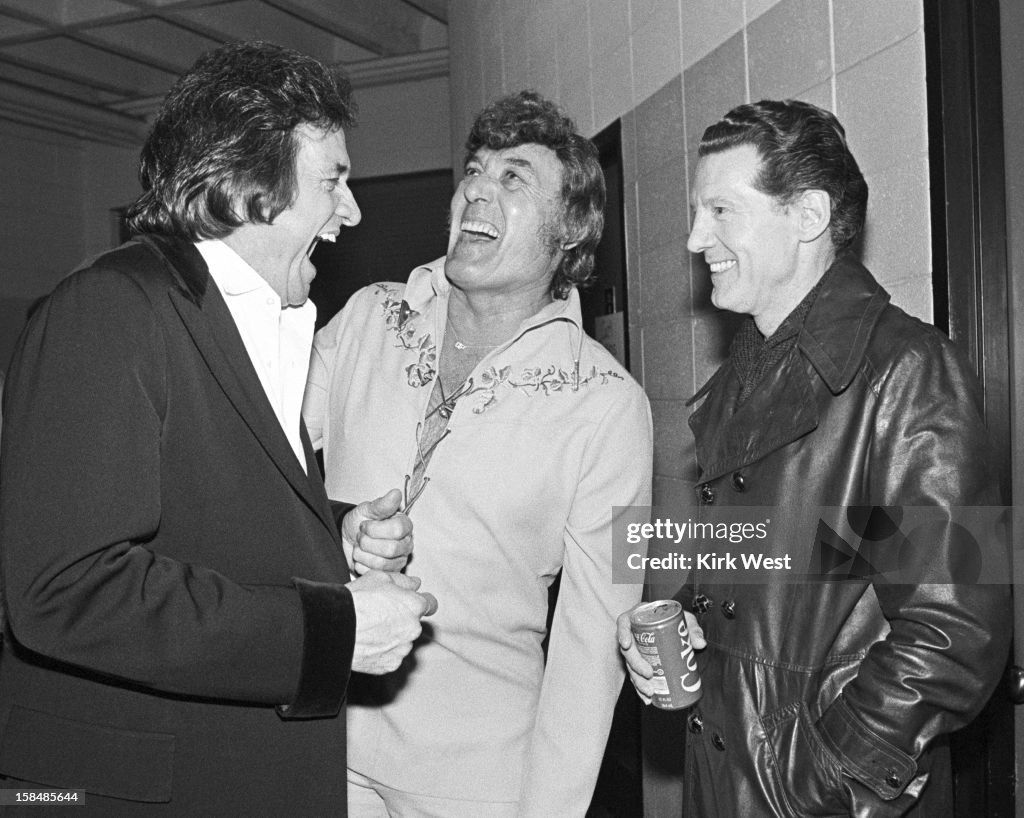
(669,68)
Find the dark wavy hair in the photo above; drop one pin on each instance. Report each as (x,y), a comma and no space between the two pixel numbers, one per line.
(802,147)
(527,118)
(222,149)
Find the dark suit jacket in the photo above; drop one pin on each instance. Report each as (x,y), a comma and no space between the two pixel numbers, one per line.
(171,574)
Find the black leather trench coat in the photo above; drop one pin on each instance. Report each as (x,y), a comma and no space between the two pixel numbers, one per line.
(835,698)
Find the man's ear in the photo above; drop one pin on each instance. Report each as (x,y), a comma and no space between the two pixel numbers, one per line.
(814,212)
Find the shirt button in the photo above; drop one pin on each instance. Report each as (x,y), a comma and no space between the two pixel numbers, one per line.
(707,494)
(718,741)
(696,724)
(729,609)
(701,604)
(738,481)
(893,779)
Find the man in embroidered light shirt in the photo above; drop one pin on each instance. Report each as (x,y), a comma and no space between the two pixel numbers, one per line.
(516,434)
(182,616)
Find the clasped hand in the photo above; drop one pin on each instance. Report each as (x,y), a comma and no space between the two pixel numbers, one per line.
(388,614)
(377,536)
(378,543)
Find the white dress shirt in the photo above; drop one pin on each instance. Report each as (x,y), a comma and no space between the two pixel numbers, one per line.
(277,339)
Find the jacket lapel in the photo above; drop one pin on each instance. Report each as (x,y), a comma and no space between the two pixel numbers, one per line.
(209,323)
(838,328)
(782,409)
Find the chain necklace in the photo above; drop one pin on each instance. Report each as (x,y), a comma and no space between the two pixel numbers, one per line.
(462,345)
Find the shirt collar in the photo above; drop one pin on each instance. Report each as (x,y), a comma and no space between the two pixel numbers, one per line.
(232,273)
(428,281)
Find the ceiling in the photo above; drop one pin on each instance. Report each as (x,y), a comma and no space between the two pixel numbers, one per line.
(99,68)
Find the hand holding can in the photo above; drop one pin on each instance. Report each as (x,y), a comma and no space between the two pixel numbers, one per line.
(659,630)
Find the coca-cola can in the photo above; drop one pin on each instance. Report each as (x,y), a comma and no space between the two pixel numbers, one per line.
(659,630)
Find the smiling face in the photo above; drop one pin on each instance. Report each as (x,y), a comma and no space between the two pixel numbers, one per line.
(504,222)
(750,242)
(323,203)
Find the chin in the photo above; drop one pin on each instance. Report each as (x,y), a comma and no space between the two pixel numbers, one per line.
(725,303)
(458,268)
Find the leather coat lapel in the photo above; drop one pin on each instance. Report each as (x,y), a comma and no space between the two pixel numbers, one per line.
(781,410)
(213,330)
(840,323)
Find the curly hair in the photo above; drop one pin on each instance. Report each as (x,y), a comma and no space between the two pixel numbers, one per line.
(222,150)
(802,147)
(527,118)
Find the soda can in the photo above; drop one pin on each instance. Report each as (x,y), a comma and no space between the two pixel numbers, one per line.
(659,630)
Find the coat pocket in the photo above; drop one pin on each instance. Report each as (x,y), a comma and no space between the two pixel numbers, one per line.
(60,752)
(802,772)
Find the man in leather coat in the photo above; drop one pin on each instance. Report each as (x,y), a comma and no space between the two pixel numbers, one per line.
(827,697)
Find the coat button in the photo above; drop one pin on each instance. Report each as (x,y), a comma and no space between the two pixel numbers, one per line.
(701,604)
(696,724)
(718,741)
(729,609)
(893,779)
(738,481)
(707,494)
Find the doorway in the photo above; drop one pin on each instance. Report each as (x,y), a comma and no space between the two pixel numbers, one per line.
(405,224)
(971,293)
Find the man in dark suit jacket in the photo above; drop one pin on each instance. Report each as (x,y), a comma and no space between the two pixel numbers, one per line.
(181,616)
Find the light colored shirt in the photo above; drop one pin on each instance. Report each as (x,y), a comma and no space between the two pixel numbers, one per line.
(277,339)
(538,452)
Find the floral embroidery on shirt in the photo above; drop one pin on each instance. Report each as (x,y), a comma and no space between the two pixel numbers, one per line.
(531,381)
(398,317)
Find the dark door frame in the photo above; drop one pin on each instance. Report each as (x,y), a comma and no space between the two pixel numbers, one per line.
(971,289)
(610,292)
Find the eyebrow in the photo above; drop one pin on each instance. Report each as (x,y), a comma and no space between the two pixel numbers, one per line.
(512,160)
(523,164)
(714,198)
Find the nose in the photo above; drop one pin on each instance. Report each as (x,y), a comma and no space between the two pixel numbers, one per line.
(700,236)
(347,208)
(477,188)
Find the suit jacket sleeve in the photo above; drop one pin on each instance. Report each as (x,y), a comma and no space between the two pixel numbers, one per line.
(92,569)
